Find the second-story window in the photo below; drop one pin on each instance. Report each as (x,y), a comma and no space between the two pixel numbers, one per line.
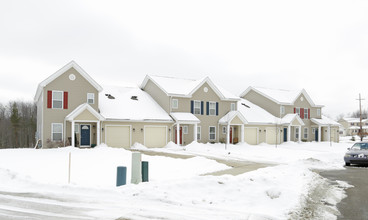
(175,103)
(57,99)
(212,108)
(232,107)
(90,98)
(297,111)
(282,110)
(306,113)
(197,107)
(318,112)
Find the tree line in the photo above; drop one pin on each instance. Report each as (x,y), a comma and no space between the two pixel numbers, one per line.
(18,121)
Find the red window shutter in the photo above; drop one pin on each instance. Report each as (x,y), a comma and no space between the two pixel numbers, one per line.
(65,100)
(308,113)
(302,113)
(294,110)
(49,99)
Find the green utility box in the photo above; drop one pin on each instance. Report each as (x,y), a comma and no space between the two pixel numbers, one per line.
(121,176)
(144,171)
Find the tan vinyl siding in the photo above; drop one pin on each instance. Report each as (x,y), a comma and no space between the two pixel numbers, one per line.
(77,95)
(263,102)
(86,115)
(158,95)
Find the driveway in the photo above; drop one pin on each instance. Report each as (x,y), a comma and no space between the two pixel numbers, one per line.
(354,206)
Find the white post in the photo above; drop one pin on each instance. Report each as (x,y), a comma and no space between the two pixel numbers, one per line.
(136,168)
(329,133)
(319,133)
(228,134)
(178,134)
(300,134)
(242,134)
(98,133)
(288,133)
(70,165)
(73,134)
(195,132)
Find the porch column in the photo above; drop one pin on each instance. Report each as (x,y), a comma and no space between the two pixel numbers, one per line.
(329,133)
(288,133)
(73,135)
(195,132)
(178,134)
(228,134)
(319,133)
(98,133)
(300,134)
(242,134)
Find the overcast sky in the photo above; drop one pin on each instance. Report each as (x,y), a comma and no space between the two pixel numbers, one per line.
(321,46)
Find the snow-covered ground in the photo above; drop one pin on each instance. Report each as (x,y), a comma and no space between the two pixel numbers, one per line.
(176,189)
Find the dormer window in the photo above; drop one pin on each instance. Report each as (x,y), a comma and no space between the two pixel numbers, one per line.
(90,98)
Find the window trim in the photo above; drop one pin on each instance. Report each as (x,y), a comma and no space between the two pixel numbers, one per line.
(209,133)
(177,103)
(297,111)
(318,112)
(185,129)
(194,107)
(62,99)
(282,110)
(306,113)
(209,108)
(52,131)
(93,98)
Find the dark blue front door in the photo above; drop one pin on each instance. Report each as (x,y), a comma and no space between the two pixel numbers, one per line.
(316,135)
(285,134)
(85,135)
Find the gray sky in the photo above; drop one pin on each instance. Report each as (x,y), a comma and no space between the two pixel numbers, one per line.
(321,46)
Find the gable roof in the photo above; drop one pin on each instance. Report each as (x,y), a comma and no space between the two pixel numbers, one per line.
(325,121)
(172,86)
(255,114)
(185,117)
(290,118)
(72,115)
(230,116)
(130,103)
(71,64)
(281,96)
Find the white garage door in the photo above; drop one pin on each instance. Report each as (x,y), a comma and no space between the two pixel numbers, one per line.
(271,136)
(117,136)
(155,136)
(250,135)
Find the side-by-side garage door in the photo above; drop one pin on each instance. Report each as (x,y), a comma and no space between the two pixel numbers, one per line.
(155,136)
(117,136)
(271,136)
(250,135)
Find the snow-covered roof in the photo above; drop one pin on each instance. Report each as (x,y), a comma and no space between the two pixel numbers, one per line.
(230,116)
(80,109)
(71,64)
(354,120)
(281,96)
(255,114)
(289,118)
(325,121)
(186,87)
(184,117)
(130,103)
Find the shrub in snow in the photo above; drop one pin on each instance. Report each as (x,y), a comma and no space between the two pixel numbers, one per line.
(53,144)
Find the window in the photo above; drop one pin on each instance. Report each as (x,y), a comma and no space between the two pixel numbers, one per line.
(223,129)
(57,99)
(175,103)
(76,128)
(318,112)
(212,108)
(199,133)
(305,133)
(90,98)
(232,107)
(212,133)
(197,107)
(297,133)
(185,129)
(352,124)
(297,111)
(56,131)
(282,110)
(313,130)
(306,113)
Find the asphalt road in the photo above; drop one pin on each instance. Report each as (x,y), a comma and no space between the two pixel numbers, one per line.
(355,205)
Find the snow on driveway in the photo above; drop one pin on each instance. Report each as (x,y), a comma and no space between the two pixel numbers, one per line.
(176,189)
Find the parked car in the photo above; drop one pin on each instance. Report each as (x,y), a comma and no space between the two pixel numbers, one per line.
(357,154)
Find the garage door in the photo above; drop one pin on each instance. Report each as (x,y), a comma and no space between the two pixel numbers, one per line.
(117,136)
(271,136)
(155,136)
(250,135)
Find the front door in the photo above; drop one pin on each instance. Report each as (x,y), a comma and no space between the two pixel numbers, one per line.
(285,134)
(85,135)
(316,135)
(180,135)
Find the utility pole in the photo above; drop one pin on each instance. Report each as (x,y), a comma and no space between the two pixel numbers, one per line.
(360,115)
